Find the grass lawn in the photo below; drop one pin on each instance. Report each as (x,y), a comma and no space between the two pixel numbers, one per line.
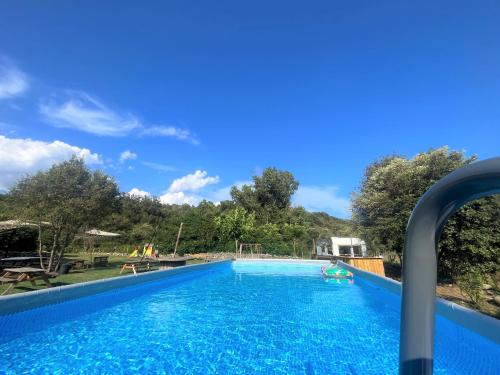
(79,276)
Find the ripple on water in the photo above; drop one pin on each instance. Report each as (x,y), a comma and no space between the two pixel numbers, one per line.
(253,318)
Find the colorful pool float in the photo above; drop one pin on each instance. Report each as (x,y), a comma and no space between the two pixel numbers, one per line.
(336,272)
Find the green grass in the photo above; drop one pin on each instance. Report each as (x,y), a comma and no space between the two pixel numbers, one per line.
(80,276)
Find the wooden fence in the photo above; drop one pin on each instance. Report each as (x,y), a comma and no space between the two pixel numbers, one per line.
(372,264)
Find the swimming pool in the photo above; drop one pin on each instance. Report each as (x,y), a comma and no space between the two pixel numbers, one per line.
(237,318)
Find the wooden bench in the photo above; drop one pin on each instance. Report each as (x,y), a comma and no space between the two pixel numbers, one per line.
(78,263)
(13,276)
(101,261)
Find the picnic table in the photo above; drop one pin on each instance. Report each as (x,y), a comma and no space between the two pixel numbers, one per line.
(17,275)
(18,261)
(76,263)
(100,261)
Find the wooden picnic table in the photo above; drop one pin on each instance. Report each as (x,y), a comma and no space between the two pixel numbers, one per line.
(20,258)
(18,261)
(76,263)
(17,275)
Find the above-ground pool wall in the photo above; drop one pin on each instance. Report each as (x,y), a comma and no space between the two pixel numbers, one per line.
(288,261)
(482,324)
(25,301)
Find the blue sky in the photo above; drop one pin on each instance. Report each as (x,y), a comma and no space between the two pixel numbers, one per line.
(183,99)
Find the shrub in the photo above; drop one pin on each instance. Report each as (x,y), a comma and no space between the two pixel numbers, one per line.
(471,285)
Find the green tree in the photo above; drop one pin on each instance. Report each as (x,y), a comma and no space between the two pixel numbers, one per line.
(471,285)
(269,196)
(269,236)
(245,198)
(142,219)
(294,232)
(69,197)
(390,190)
(235,225)
(470,241)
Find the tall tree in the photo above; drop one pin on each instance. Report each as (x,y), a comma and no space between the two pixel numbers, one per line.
(269,196)
(294,232)
(390,190)
(235,224)
(69,198)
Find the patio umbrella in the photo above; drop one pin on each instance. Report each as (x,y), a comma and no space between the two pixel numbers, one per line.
(94,234)
(14,224)
(101,233)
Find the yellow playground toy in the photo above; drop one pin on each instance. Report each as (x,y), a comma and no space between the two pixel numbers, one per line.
(147,251)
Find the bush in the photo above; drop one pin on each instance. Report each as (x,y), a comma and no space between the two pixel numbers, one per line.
(471,285)
(18,240)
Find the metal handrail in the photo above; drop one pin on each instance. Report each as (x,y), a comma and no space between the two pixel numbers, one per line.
(424,228)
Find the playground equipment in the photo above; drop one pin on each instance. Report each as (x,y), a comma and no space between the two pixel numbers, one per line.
(147,251)
(252,248)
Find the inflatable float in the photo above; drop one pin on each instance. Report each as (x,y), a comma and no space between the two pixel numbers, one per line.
(336,272)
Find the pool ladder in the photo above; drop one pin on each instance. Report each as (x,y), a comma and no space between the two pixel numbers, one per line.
(424,228)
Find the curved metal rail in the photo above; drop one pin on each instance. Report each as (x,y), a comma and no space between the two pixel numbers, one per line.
(424,228)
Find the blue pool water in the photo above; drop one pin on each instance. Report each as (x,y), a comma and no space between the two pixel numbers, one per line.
(242,318)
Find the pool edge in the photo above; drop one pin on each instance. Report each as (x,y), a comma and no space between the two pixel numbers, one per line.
(14,303)
(475,321)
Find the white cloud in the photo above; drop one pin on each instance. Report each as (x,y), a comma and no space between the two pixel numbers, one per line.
(137,193)
(83,112)
(13,81)
(178,192)
(223,193)
(178,198)
(158,166)
(127,155)
(171,131)
(192,182)
(322,198)
(19,157)
(219,195)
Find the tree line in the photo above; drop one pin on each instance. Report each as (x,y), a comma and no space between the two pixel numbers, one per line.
(70,198)
(469,247)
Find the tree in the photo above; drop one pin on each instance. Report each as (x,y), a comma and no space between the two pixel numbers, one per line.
(294,232)
(390,190)
(470,241)
(270,195)
(69,198)
(200,232)
(245,198)
(269,236)
(139,219)
(471,285)
(235,224)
